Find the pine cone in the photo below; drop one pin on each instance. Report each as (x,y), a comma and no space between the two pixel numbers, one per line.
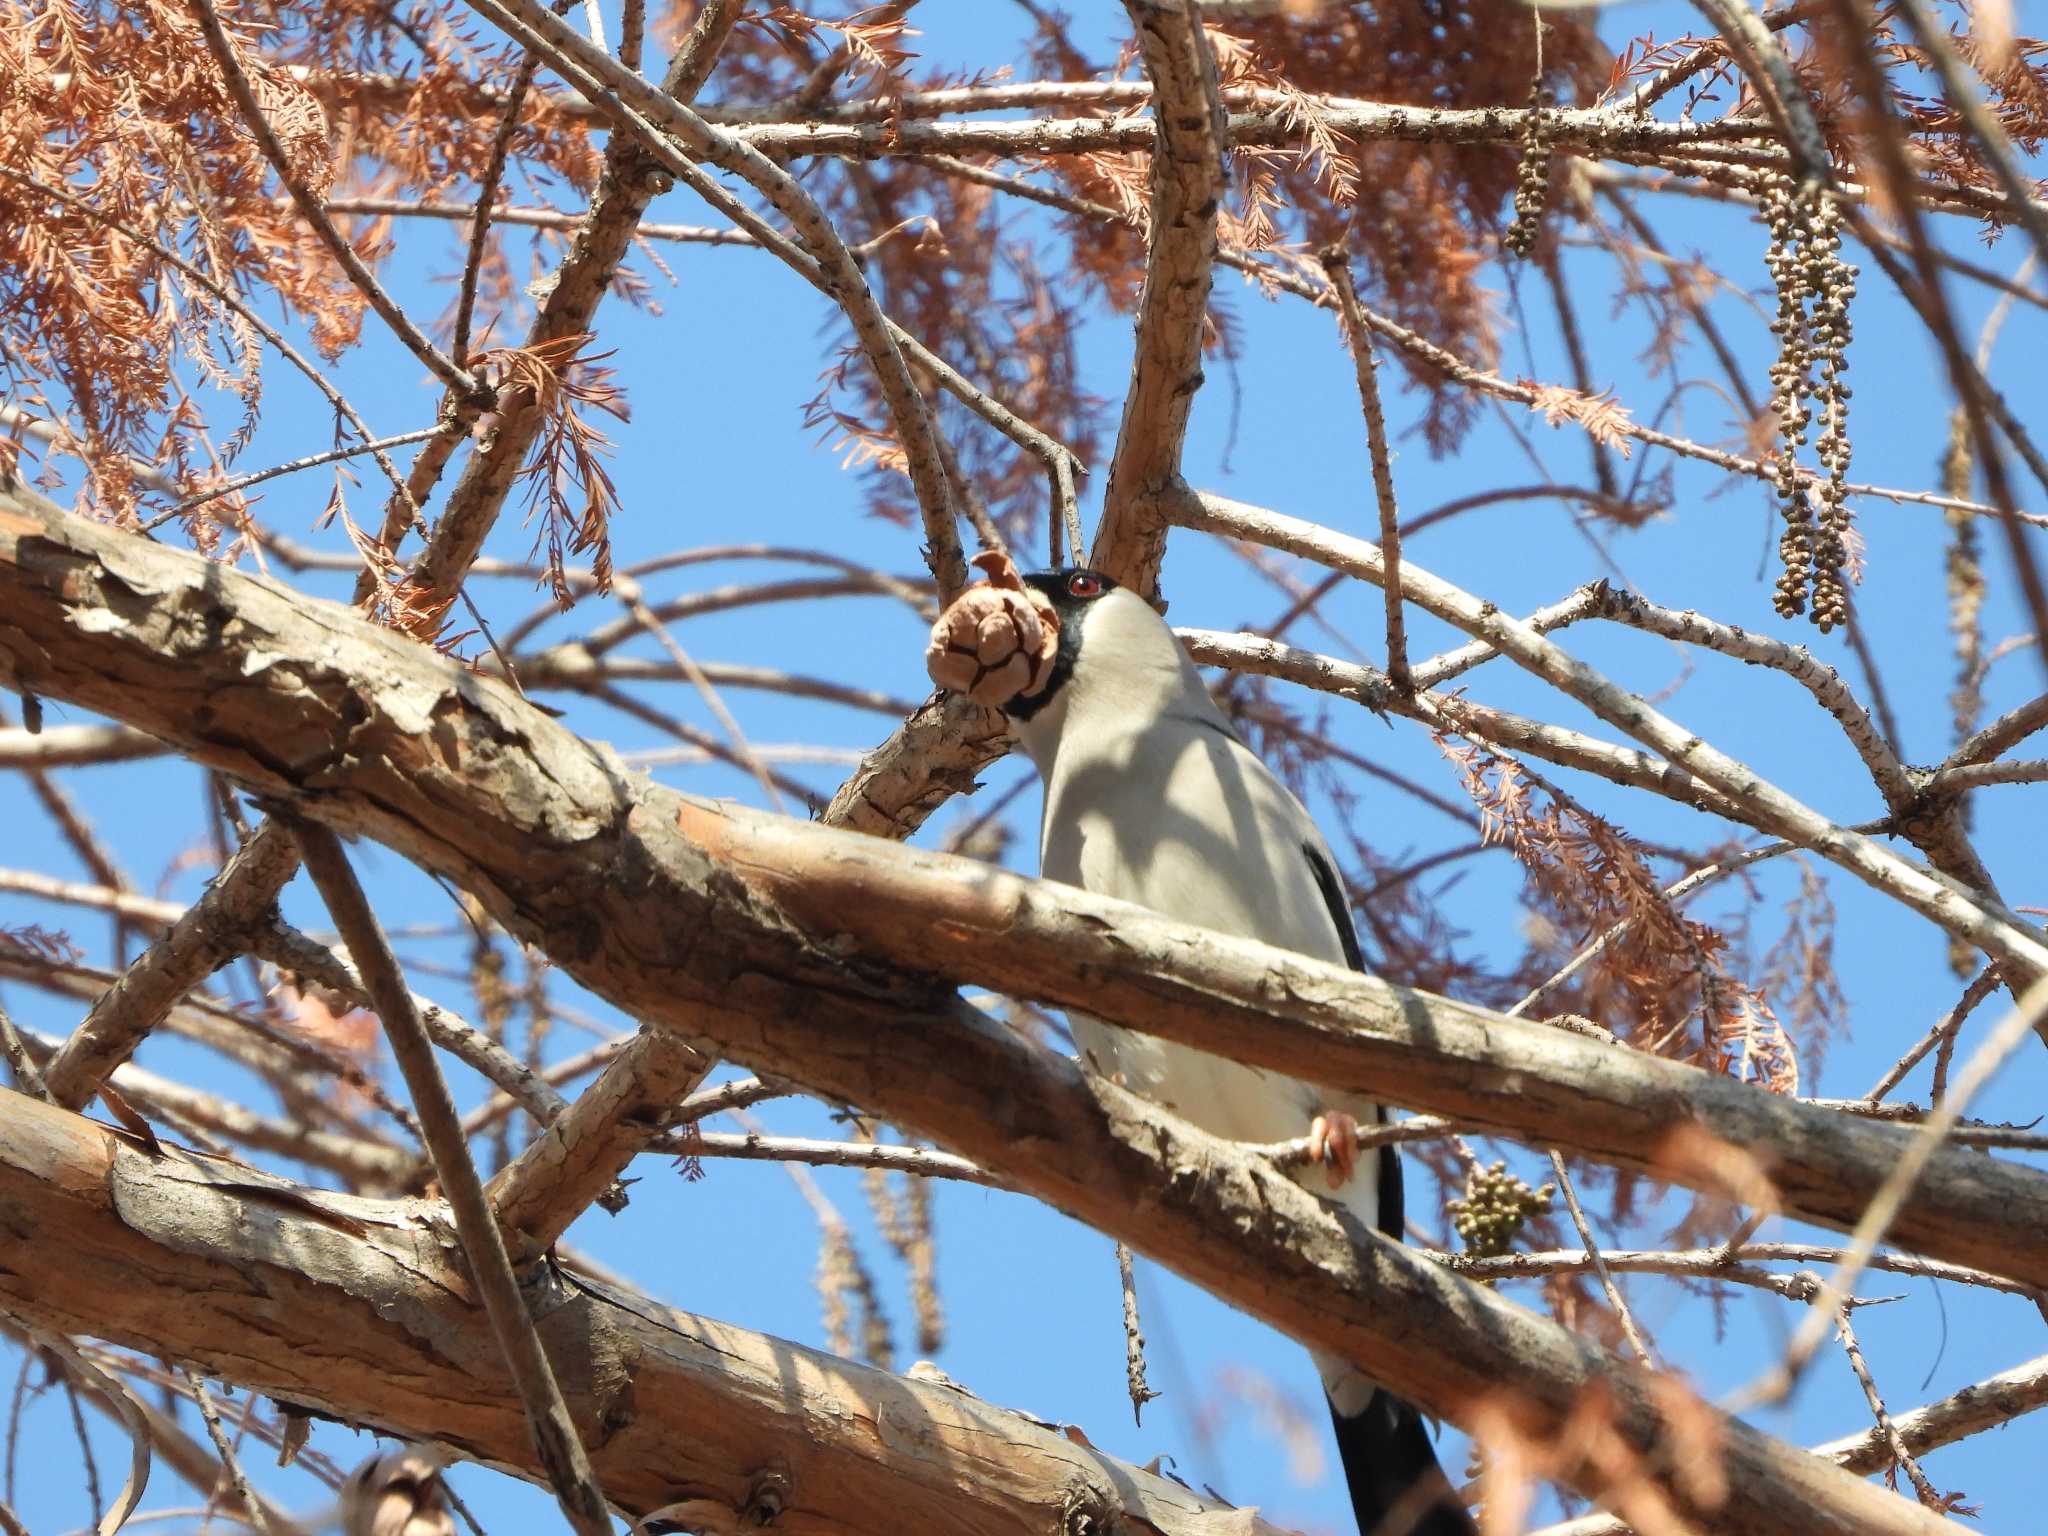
(997,640)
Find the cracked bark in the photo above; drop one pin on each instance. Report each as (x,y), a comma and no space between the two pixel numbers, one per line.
(720,934)
(361,1309)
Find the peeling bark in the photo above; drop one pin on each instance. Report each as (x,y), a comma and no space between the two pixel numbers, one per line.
(765,939)
(361,1309)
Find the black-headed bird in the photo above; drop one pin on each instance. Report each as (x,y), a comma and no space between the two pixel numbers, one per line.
(1151,797)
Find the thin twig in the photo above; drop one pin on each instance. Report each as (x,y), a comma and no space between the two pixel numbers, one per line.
(1134,1339)
(627,590)
(388,309)
(1983,986)
(1709,1263)
(259,1517)
(626,186)
(1358,339)
(757,1146)
(28,1078)
(486,194)
(292,466)
(561,1452)
(1607,1282)
(311,961)
(1902,1457)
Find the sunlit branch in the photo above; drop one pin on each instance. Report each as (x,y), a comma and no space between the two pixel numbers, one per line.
(1763,805)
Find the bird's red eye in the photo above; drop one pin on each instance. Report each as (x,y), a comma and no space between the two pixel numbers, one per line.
(1083,584)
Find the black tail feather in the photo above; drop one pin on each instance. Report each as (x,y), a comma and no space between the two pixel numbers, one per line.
(1397,1486)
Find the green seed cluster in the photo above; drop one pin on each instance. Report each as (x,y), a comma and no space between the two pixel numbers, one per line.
(1532,176)
(1496,1205)
(1815,287)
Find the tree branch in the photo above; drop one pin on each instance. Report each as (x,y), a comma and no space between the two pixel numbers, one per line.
(557,1446)
(206,936)
(1188,174)
(788,945)
(1983,922)
(359,1313)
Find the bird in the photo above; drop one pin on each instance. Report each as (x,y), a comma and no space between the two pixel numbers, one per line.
(1152,797)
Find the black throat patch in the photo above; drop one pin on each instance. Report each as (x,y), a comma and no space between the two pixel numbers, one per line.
(1057,589)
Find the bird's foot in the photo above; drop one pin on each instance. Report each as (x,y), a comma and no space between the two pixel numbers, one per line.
(1333,1142)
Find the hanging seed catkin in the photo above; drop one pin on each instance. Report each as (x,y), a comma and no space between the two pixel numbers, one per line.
(1532,176)
(1815,287)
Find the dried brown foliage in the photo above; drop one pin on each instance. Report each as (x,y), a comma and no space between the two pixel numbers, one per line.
(566,465)
(1664,970)
(1517,1462)
(147,244)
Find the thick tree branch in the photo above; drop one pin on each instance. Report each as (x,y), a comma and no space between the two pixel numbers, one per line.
(760,935)
(377,736)
(357,1308)
(1188,177)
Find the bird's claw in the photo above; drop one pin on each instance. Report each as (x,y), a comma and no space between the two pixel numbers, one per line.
(1333,1142)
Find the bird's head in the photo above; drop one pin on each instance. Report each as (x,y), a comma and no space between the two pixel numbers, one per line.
(1112,643)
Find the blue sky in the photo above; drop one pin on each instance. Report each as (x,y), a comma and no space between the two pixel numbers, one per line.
(717,453)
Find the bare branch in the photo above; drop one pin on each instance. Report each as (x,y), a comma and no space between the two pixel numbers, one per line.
(297,955)
(2002,734)
(210,933)
(1885,1203)
(1454,714)
(669,1399)
(586,847)
(1983,1405)
(73,746)
(556,1443)
(1901,1456)
(1190,142)
(752,1146)
(1359,340)
(579,1156)
(1973,918)
(1615,1299)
